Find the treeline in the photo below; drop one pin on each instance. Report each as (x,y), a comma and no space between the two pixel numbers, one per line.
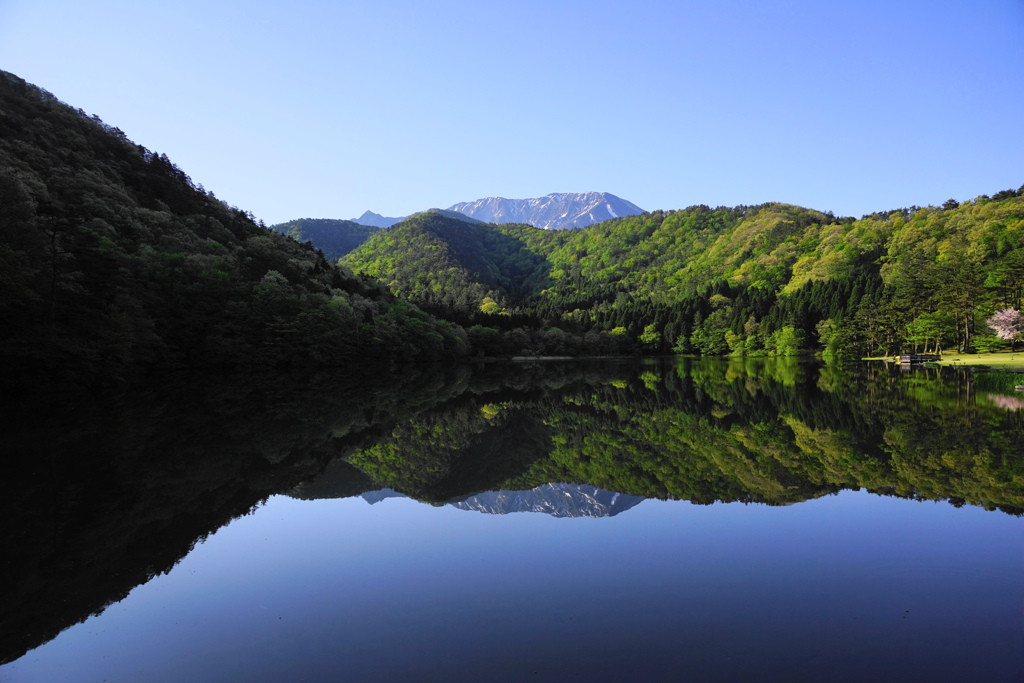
(772,279)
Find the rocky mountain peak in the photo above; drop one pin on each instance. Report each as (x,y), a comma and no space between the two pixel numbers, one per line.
(556,211)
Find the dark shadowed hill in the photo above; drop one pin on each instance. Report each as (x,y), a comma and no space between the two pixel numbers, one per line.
(112,259)
(333,237)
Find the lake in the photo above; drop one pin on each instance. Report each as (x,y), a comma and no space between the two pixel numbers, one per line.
(715,520)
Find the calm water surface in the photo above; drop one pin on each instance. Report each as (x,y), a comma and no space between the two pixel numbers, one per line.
(672,521)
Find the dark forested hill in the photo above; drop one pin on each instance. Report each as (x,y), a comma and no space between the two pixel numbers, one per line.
(111,258)
(333,237)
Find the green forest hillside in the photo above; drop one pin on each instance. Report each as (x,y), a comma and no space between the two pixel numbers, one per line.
(440,261)
(112,259)
(750,280)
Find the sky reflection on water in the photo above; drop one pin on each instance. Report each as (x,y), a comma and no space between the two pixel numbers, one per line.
(846,587)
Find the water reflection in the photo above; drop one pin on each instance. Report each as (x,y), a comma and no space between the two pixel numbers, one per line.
(749,430)
(110,491)
(556,500)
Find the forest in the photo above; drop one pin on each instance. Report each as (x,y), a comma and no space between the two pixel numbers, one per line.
(113,261)
(773,279)
(752,430)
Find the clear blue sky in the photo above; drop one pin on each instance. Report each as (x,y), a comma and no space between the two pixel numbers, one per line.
(325,109)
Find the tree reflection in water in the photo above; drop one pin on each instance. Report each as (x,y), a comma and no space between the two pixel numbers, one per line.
(107,491)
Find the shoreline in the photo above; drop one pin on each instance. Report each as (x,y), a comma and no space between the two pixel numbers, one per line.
(994,362)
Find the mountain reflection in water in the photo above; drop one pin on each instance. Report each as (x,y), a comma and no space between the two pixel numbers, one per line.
(557,500)
(110,491)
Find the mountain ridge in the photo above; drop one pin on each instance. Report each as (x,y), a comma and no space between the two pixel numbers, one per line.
(376,220)
(555,211)
(555,499)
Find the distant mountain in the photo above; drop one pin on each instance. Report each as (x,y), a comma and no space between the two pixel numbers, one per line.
(376,220)
(374,497)
(557,500)
(332,236)
(556,211)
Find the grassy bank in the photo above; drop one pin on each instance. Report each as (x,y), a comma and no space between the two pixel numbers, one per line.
(1009,362)
(1003,361)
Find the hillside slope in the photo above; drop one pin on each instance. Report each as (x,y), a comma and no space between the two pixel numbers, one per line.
(768,279)
(112,259)
(447,264)
(333,237)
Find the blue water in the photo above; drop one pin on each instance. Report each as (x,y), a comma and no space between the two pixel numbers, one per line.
(852,586)
(139,510)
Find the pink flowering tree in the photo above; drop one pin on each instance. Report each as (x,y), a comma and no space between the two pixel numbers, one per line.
(1008,324)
